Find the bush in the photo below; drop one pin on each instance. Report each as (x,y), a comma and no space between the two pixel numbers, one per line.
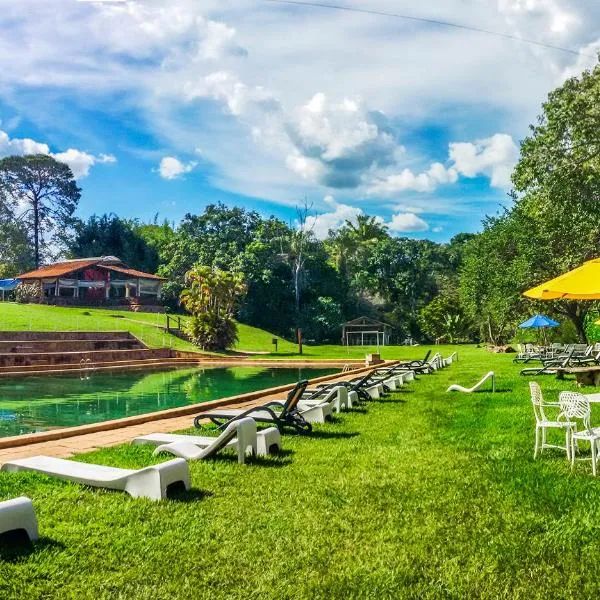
(212,332)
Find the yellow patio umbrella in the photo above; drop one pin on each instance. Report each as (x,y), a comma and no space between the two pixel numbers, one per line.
(582,283)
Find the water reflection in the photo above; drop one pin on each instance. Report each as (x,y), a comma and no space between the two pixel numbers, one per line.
(37,403)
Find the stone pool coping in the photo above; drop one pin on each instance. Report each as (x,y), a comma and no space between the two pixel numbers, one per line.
(174,362)
(53,435)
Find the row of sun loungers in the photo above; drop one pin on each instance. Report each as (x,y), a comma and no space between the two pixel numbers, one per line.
(298,411)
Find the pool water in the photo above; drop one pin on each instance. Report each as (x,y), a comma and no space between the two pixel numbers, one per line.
(38,403)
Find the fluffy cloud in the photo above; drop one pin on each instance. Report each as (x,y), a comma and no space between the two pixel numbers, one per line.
(179,62)
(407,223)
(227,88)
(79,161)
(340,213)
(406,180)
(171,167)
(494,157)
(338,144)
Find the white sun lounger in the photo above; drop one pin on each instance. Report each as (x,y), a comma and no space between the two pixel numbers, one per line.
(448,361)
(459,388)
(150,482)
(337,397)
(238,434)
(18,514)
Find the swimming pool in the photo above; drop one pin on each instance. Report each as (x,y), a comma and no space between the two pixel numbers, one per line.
(38,403)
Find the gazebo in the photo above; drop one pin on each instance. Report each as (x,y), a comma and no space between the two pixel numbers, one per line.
(366,331)
(94,280)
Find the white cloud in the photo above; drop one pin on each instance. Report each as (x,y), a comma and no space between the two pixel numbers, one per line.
(20,147)
(171,167)
(79,161)
(321,224)
(219,41)
(407,223)
(345,140)
(270,119)
(494,157)
(406,180)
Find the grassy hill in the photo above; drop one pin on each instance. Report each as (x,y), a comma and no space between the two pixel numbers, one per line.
(148,328)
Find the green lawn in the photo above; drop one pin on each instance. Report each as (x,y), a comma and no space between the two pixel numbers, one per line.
(423,495)
(146,326)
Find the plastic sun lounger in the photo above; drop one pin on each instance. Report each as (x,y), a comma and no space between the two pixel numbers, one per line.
(238,434)
(337,397)
(150,482)
(276,412)
(18,515)
(549,366)
(459,388)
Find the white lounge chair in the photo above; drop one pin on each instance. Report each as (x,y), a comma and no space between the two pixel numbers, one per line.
(150,482)
(18,514)
(446,362)
(459,388)
(337,397)
(238,434)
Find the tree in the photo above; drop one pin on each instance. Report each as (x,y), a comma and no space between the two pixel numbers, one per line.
(211,297)
(557,180)
(108,235)
(15,250)
(48,190)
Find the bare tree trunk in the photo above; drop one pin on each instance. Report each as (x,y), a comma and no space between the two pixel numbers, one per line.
(36,232)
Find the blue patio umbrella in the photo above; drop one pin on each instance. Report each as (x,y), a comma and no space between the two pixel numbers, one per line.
(538,322)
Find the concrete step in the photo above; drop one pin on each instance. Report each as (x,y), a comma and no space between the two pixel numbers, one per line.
(25,359)
(42,346)
(20,336)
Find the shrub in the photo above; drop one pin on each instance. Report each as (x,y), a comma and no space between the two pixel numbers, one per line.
(211,331)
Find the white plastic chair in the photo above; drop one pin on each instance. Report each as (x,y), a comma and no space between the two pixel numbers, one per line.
(543,423)
(576,406)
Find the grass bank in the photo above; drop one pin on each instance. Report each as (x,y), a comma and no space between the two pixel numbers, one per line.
(423,495)
(147,327)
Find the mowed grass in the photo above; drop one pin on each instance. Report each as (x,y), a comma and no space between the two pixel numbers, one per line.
(147,327)
(420,495)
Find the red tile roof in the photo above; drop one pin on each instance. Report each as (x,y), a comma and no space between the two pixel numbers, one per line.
(63,268)
(58,269)
(132,272)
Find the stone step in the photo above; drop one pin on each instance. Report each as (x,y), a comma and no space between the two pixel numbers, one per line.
(19,336)
(25,359)
(42,346)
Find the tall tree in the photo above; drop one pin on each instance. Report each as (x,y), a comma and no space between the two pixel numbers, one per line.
(109,235)
(47,189)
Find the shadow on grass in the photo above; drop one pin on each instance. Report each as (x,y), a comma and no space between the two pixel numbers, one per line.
(178,493)
(330,435)
(358,410)
(15,545)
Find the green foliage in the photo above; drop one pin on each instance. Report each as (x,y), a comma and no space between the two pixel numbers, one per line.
(212,332)
(443,319)
(554,223)
(211,297)
(50,193)
(109,235)
(321,320)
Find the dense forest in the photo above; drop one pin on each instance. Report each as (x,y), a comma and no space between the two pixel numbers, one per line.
(467,289)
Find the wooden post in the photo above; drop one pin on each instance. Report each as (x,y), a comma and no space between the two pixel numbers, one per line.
(299,334)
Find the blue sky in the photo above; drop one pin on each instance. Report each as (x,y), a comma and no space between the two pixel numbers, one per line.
(165,107)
